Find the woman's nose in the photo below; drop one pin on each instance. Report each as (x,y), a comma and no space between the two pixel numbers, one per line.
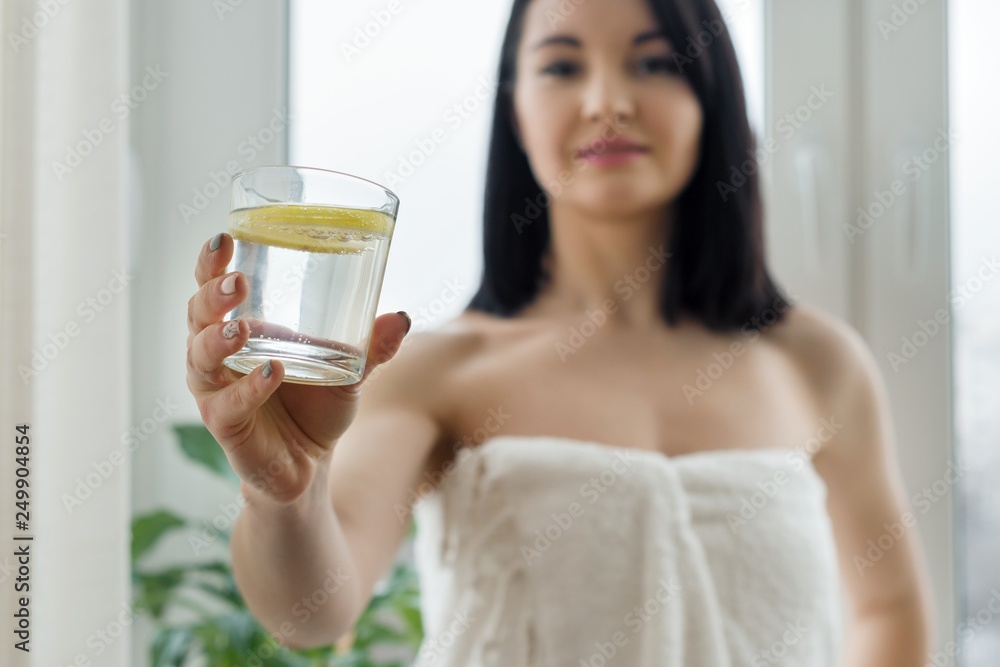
(607,98)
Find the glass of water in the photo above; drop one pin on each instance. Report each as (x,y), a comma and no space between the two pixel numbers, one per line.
(313,245)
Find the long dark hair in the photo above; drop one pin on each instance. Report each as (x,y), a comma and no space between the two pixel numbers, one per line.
(717,272)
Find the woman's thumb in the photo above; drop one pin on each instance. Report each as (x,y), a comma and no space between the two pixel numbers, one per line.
(388,333)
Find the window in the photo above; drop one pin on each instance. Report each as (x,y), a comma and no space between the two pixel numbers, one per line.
(405,100)
(976,323)
(386,97)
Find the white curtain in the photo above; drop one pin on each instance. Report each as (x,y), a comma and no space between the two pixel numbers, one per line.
(64,349)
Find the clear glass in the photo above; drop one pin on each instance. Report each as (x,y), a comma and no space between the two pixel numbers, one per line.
(313,245)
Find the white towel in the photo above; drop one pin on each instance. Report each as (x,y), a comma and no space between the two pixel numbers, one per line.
(554,551)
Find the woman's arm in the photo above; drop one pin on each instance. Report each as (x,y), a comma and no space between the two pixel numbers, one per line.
(875,528)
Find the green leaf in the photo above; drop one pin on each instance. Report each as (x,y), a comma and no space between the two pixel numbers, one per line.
(170,648)
(156,589)
(199,446)
(411,616)
(378,633)
(224,592)
(236,631)
(149,528)
(227,638)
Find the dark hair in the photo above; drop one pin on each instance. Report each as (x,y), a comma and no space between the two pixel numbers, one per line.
(716,273)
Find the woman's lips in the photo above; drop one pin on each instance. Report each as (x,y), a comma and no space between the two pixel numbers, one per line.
(613,157)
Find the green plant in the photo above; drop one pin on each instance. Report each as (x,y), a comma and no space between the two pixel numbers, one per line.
(222,632)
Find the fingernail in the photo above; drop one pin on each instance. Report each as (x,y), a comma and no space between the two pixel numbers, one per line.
(409,322)
(229,284)
(232,329)
(267,369)
(216,242)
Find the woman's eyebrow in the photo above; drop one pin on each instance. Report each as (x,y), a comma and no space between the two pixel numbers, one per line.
(558,39)
(569,40)
(649,36)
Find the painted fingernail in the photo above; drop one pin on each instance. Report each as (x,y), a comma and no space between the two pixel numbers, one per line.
(267,369)
(409,322)
(216,242)
(232,329)
(229,284)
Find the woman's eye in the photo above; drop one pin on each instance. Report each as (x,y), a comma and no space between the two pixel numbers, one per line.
(658,65)
(561,68)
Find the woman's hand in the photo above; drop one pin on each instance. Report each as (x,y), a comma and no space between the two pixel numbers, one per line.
(277,436)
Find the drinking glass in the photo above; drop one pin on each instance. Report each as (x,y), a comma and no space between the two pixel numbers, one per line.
(313,245)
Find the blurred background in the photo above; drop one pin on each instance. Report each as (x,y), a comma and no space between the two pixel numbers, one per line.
(122,122)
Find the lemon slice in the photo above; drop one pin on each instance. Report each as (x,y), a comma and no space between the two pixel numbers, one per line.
(311,228)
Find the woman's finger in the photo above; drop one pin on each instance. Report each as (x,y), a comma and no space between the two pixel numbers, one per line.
(214,258)
(205,368)
(214,299)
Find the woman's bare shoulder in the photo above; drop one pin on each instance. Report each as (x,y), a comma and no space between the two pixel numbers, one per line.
(829,350)
(427,359)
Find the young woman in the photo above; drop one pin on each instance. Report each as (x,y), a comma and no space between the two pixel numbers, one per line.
(630,448)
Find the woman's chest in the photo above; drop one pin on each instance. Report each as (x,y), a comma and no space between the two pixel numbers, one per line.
(671,397)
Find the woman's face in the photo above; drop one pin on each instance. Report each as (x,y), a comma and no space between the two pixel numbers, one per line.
(597,71)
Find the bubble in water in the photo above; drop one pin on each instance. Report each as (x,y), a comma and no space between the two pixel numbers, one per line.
(317,233)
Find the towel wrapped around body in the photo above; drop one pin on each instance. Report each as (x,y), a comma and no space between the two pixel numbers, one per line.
(549,551)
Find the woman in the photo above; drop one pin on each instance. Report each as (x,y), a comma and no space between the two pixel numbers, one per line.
(630,448)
